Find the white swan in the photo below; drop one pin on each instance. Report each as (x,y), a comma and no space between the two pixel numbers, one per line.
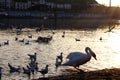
(78,58)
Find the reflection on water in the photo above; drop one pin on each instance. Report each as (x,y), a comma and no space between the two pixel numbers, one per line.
(107,50)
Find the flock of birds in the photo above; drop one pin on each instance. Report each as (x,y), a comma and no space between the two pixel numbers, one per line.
(75,59)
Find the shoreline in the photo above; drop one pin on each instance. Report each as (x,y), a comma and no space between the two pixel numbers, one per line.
(105,74)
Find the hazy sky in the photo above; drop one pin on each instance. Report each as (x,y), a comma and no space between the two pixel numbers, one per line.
(106,2)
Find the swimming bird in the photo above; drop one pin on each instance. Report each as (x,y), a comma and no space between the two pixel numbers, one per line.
(100,38)
(44,71)
(27,43)
(16,38)
(63,35)
(78,58)
(29,36)
(77,39)
(6,43)
(60,57)
(22,40)
(13,69)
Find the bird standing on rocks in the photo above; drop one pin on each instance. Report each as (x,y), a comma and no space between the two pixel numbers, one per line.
(44,71)
(78,58)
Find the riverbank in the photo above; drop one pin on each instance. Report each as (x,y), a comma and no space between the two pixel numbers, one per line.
(105,74)
(58,23)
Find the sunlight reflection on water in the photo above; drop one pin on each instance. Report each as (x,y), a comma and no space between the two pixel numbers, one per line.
(107,50)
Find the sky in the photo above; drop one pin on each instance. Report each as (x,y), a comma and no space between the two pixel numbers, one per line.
(106,2)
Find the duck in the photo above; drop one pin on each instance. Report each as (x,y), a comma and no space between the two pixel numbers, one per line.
(14,69)
(44,71)
(76,59)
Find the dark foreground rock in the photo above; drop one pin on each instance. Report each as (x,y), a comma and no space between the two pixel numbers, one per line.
(105,74)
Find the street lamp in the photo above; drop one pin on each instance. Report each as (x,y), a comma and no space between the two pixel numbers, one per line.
(110,3)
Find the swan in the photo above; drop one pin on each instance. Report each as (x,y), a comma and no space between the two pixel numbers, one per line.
(44,71)
(78,58)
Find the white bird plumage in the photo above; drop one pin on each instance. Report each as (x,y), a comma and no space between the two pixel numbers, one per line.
(78,58)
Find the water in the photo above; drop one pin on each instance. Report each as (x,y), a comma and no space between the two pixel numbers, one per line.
(107,50)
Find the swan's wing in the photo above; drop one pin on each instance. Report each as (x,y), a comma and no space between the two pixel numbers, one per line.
(76,55)
(78,60)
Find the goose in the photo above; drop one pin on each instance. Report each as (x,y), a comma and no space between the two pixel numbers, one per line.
(33,56)
(13,69)
(60,56)
(78,58)
(44,71)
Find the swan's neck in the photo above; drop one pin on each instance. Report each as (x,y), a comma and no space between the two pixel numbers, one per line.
(88,51)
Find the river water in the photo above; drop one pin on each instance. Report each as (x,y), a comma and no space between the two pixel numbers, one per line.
(107,50)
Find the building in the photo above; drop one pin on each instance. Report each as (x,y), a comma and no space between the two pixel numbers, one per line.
(6,4)
(25,4)
(22,5)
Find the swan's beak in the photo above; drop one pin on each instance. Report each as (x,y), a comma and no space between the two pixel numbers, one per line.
(95,58)
(94,55)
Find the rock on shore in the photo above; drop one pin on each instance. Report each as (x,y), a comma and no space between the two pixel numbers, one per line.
(105,74)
